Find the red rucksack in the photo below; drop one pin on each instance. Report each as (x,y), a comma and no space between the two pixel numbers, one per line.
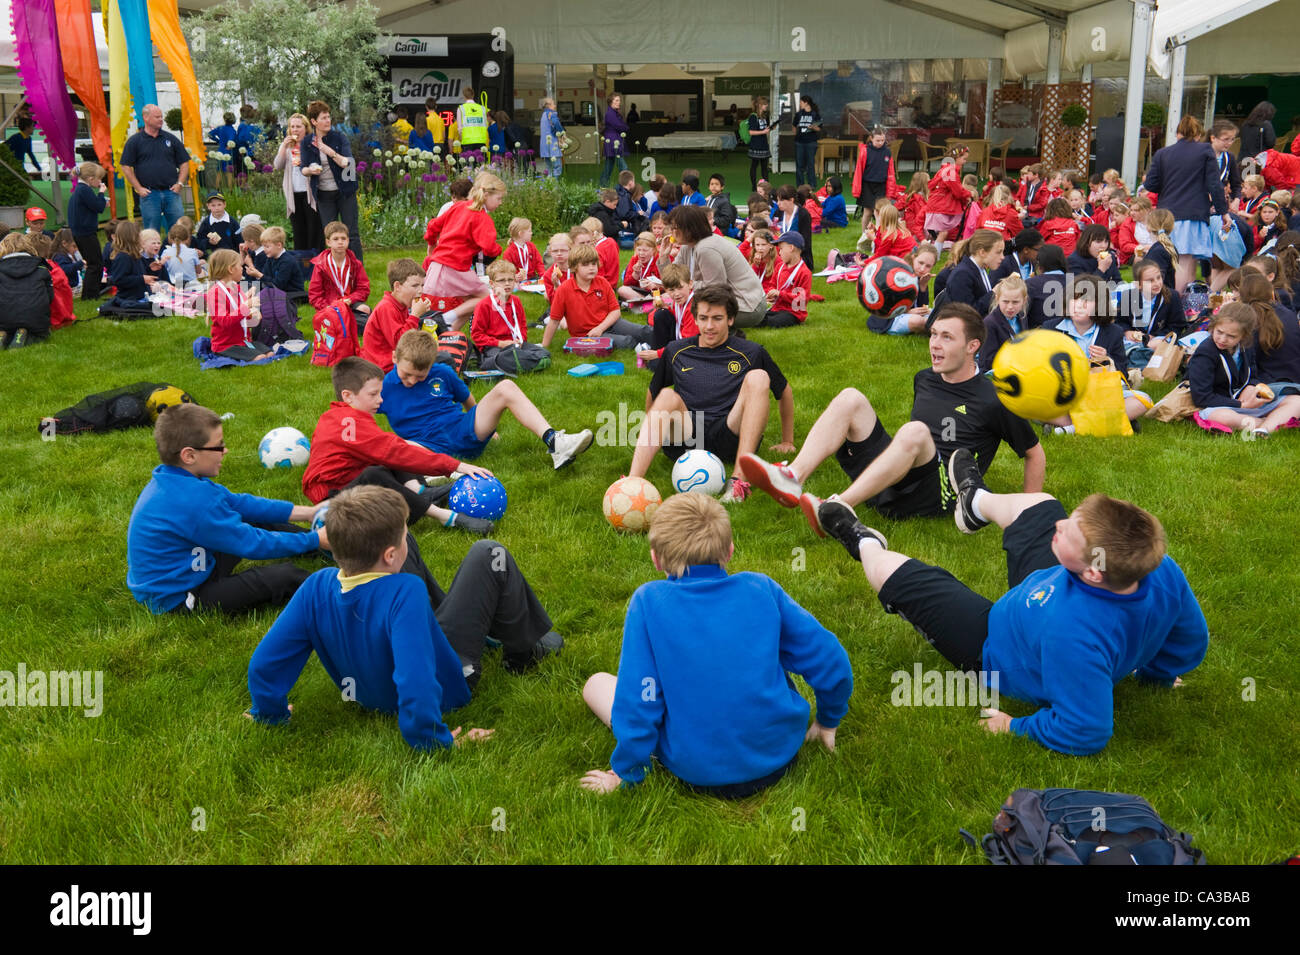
(334,335)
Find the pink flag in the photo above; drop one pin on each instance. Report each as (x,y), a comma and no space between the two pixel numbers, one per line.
(40,70)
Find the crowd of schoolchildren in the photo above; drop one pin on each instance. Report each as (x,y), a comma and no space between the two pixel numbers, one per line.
(1037,252)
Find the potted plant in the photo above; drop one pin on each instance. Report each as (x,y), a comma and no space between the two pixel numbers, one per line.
(13,191)
(1074,116)
(1153,123)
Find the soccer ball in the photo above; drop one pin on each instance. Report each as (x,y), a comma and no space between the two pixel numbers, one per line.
(163,398)
(887,287)
(699,470)
(483,497)
(1040,374)
(630,504)
(284,448)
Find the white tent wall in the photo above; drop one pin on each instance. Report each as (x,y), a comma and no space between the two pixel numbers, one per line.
(584,30)
(1237,48)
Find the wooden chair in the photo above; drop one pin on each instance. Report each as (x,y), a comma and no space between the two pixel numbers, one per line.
(930,153)
(895,147)
(979,152)
(1000,153)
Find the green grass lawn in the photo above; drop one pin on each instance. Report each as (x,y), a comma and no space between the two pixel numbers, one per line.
(171,748)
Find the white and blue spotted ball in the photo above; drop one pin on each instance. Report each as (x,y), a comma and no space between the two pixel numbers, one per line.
(284,448)
(699,470)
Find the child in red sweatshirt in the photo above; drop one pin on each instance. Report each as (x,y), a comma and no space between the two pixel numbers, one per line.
(499,321)
(349,448)
(1059,226)
(1001,215)
(233,310)
(788,302)
(397,312)
(521,253)
(464,231)
(338,274)
(61,304)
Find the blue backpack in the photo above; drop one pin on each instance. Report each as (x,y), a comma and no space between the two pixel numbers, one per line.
(1083,827)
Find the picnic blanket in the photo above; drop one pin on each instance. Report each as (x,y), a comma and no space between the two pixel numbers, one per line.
(210,359)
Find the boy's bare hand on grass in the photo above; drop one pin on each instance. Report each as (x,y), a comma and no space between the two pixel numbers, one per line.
(475,735)
(819,732)
(600,781)
(995,721)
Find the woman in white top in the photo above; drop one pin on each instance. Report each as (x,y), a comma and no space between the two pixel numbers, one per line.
(301,205)
(715,261)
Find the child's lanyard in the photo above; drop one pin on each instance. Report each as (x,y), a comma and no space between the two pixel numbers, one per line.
(556,280)
(1025,269)
(1149,309)
(525,259)
(1228,368)
(513,324)
(236,307)
(988,286)
(790,278)
(786,222)
(341,274)
(680,313)
(1014,322)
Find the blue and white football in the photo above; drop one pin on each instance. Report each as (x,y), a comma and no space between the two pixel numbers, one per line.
(284,448)
(699,470)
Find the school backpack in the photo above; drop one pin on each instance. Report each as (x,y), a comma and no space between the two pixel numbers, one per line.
(454,350)
(743,130)
(334,335)
(518,359)
(1196,298)
(279,317)
(1083,827)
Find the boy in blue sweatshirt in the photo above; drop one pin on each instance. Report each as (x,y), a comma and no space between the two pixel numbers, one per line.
(1093,598)
(188,533)
(426,402)
(703,680)
(384,631)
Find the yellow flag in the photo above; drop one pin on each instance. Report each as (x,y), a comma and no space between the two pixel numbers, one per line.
(119,79)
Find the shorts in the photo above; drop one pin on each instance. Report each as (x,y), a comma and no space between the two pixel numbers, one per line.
(923,491)
(938,222)
(459,441)
(443,281)
(717,438)
(742,790)
(949,615)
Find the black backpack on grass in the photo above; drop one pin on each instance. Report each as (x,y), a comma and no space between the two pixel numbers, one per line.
(1083,827)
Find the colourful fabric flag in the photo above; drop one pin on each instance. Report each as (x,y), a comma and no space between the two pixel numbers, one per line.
(119,88)
(40,71)
(165,25)
(81,68)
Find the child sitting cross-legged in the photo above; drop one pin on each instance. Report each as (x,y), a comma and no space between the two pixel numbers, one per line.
(388,635)
(713,700)
(27,289)
(426,402)
(348,447)
(233,310)
(641,276)
(188,533)
(500,323)
(788,297)
(397,312)
(590,306)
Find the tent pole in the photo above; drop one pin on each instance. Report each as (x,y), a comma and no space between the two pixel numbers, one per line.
(1054,37)
(1137,72)
(1211,98)
(550,81)
(994,81)
(1177,77)
(774,107)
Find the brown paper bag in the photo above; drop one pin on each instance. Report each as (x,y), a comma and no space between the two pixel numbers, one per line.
(1175,406)
(1166,359)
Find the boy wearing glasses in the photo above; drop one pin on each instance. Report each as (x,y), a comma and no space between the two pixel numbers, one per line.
(188,533)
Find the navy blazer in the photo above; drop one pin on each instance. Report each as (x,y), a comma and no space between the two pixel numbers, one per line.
(310,156)
(1109,337)
(1186,177)
(285,273)
(127,274)
(997,332)
(1167,315)
(1215,378)
(1010,266)
(1160,255)
(1046,299)
(966,284)
(1284,363)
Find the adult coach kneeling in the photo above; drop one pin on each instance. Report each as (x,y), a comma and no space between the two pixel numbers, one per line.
(953,406)
(710,391)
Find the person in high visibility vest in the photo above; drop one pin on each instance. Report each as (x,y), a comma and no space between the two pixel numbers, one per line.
(472,122)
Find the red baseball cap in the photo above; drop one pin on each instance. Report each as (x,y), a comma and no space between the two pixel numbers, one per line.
(35,213)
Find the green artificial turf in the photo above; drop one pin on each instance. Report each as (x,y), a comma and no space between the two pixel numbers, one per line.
(172,772)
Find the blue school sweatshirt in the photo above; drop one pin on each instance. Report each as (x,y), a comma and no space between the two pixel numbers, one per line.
(703,678)
(428,411)
(380,635)
(177,513)
(1059,643)
(834,212)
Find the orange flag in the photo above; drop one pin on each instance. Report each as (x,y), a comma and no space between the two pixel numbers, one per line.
(81,70)
(165,30)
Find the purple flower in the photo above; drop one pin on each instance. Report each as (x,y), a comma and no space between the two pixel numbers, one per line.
(379,174)
(427,177)
(362,167)
(406,177)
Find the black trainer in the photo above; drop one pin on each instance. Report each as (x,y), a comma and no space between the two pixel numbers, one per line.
(965,478)
(548,646)
(839,521)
